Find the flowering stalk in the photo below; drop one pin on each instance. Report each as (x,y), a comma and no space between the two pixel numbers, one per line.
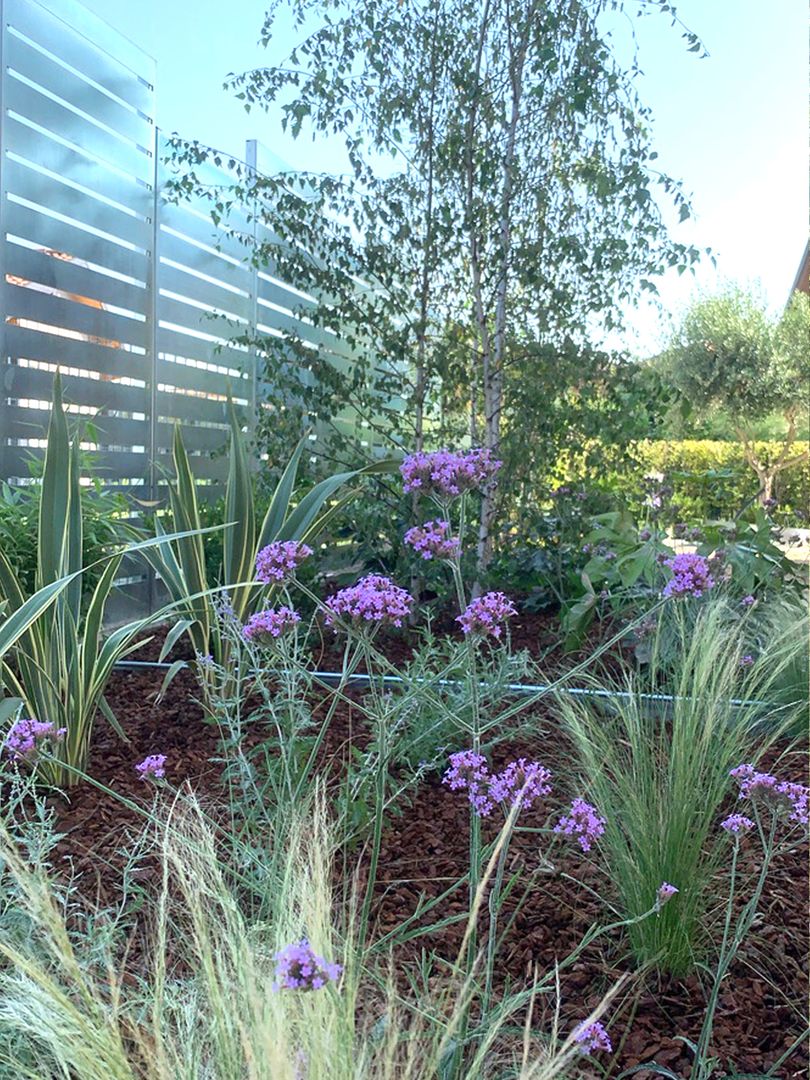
(730,946)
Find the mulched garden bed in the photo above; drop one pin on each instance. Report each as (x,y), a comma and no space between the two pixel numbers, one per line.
(425,850)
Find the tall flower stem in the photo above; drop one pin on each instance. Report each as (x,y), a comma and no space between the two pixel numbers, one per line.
(730,945)
(380,779)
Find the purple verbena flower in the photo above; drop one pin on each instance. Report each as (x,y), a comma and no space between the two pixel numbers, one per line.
(280,560)
(779,794)
(737,824)
(469,772)
(582,821)
(592,1037)
(645,534)
(747,601)
(265,626)
(446,473)
(664,894)
(746,661)
(487,614)
(690,576)
(299,968)
(433,540)
(153,765)
(523,780)
(373,599)
(27,734)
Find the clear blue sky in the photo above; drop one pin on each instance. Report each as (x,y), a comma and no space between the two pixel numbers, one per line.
(733,126)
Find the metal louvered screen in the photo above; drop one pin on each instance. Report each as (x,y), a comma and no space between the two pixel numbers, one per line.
(104,278)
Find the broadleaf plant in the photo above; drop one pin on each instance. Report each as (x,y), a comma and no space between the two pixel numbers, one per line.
(181,564)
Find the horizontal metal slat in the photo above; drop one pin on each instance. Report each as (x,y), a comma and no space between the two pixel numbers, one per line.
(20,382)
(173,407)
(62,236)
(84,135)
(67,276)
(181,344)
(51,348)
(19,423)
(36,187)
(44,151)
(215,295)
(181,251)
(178,216)
(54,311)
(90,45)
(194,378)
(110,468)
(195,439)
(55,78)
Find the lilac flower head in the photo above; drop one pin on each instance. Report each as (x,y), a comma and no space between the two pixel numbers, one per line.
(280,560)
(582,821)
(523,780)
(469,772)
(205,661)
(265,626)
(153,765)
(592,1037)
(746,661)
(778,794)
(690,576)
(737,824)
(373,599)
(747,601)
(28,734)
(299,968)
(433,540)
(487,614)
(446,474)
(664,894)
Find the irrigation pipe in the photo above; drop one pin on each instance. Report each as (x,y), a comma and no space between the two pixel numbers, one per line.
(511,688)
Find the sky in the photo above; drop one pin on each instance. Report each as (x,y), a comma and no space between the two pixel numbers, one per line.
(732,126)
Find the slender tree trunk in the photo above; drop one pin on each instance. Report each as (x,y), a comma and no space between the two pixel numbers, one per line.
(493,370)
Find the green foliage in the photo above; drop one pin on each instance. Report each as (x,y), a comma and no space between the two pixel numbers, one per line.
(499,205)
(659,775)
(183,565)
(59,665)
(711,479)
(728,354)
(104,525)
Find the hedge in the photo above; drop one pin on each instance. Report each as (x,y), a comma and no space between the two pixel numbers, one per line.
(712,480)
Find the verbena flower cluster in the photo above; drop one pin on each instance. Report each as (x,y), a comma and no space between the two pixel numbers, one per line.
(487,614)
(373,599)
(266,626)
(446,474)
(737,824)
(664,894)
(299,968)
(691,576)
(582,821)
(154,765)
(521,780)
(280,560)
(746,661)
(27,734)
(592,1038)
(780,794)
(433,540)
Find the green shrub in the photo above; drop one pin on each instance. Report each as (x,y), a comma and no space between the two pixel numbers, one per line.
(712,480)
(659,774)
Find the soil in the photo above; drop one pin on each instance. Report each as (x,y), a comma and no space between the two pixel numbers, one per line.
(425,850)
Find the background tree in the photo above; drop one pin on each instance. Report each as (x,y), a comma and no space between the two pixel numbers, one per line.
(501,183)
(729,355)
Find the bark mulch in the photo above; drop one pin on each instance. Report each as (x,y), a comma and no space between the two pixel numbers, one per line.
(425,851)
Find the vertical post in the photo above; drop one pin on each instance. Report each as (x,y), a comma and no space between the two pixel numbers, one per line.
(5,352)
(152,308)
(252,161)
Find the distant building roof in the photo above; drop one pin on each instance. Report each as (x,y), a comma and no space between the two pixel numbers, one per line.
(802,282)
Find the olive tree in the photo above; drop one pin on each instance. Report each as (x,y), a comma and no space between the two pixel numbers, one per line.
(728,354)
